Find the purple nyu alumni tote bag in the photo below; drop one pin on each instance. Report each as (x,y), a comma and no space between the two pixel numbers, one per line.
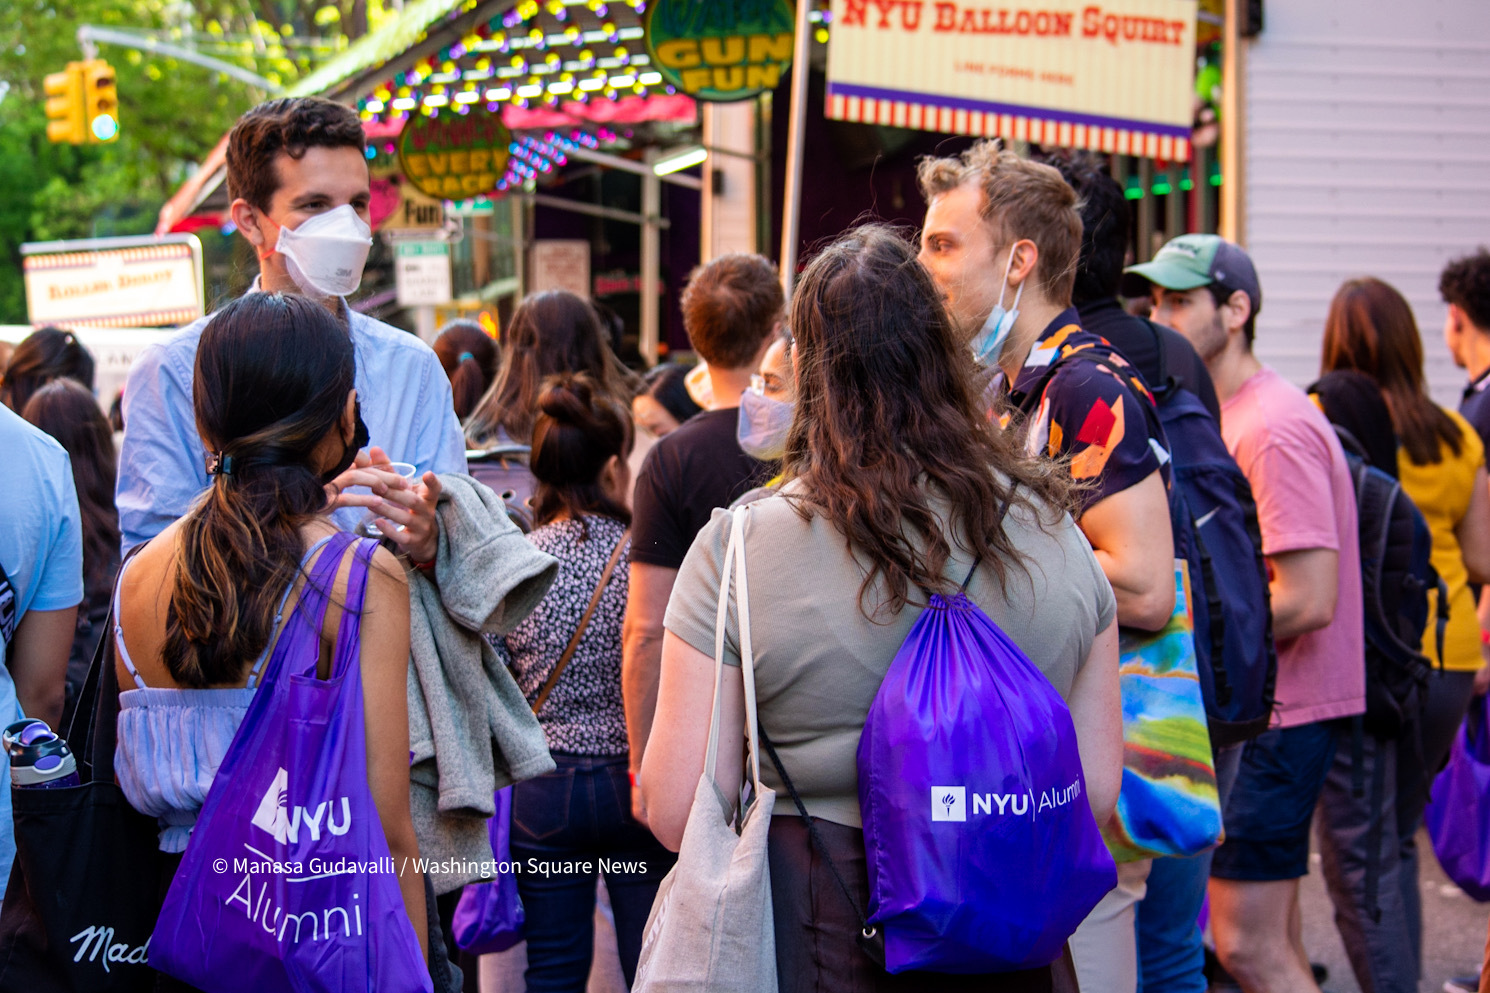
(287,883)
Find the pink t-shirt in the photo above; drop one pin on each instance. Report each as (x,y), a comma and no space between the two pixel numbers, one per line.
(1305,499)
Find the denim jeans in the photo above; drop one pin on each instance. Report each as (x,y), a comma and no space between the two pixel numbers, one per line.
(568,827)
(1171,953)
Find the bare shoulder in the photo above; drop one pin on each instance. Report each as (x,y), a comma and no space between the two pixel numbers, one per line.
(387,571)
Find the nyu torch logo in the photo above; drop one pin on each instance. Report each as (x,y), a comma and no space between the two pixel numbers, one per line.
(276,817)
(949,803)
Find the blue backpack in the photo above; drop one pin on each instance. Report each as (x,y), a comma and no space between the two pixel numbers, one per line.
(1214,520)
(1216,532)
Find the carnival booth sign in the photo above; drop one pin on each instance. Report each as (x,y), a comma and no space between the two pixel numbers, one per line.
(1115,76)
(454,156)
(722,50)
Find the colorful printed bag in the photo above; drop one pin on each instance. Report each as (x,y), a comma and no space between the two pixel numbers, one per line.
(287,882)
(1169,804)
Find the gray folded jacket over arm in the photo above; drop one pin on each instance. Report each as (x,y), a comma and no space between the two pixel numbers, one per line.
(471,730)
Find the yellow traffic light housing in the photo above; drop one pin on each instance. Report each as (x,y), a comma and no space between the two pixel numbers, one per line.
(66,123)
(100,101)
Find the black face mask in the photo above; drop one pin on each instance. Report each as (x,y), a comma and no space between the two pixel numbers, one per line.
(349,453)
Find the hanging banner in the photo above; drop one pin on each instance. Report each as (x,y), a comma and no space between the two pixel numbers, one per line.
(721,50)
(1116,77)
(454,156)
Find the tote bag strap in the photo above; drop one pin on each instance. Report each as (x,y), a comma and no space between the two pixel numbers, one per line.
(349,630)
(92,734)
(309,615)
(734,562)
(584,622)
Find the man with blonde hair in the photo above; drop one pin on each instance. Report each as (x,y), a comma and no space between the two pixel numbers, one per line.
(1002,237)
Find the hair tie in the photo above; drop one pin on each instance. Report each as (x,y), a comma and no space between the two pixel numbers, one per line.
(464,356)
(219,464)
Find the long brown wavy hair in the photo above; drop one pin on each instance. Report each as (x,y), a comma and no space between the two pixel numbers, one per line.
(550,333)
(272,377)
(1371,329)
(887,422)
(66,410)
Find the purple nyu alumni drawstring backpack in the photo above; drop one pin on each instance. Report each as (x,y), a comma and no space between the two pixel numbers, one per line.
(287,883)
(983,852)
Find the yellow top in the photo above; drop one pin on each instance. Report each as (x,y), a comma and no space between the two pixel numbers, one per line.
(1442,491)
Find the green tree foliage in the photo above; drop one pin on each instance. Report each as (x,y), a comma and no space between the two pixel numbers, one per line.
(171,112)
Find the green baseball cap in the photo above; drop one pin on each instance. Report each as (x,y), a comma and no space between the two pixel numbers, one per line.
(1195,260)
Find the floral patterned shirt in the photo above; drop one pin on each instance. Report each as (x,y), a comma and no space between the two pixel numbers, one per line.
(1090,412)
(583,715)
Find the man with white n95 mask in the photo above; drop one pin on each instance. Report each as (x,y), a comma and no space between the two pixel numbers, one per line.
(297,173)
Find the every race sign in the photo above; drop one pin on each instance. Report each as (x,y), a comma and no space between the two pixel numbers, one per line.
(453,156)
(1115,76)
(721,50)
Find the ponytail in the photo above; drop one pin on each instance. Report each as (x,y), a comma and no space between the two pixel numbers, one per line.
(272,378)
(579,429)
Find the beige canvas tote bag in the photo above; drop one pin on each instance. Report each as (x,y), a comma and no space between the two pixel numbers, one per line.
(711,927)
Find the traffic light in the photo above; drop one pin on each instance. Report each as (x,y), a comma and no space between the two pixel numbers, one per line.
(100,101)
(65,112)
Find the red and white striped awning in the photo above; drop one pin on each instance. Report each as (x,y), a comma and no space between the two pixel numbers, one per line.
(957,115)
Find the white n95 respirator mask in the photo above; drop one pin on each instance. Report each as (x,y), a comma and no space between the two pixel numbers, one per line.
(326,253)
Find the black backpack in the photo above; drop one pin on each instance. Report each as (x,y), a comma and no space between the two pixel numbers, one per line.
(1397,575)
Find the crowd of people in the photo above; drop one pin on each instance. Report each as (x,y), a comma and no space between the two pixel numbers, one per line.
(978,411)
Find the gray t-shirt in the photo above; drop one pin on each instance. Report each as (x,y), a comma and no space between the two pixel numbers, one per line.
(819,661)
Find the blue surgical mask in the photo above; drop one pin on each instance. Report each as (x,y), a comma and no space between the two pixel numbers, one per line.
(763,425)
(989,340)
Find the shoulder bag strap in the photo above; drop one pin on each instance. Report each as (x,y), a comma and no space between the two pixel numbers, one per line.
(92,735)
(9,609)
(584,622)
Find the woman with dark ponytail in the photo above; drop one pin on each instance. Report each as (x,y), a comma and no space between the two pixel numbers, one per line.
(469,357)
(567,659)
(198,609)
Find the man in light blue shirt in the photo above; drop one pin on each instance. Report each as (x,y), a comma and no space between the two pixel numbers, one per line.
(297,171)
(41,554)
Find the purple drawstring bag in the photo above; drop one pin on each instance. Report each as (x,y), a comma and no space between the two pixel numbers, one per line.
(983,853)
(287,882)
(489,916)
(1458,815)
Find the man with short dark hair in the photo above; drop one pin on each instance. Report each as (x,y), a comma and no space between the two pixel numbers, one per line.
(731,308)
(1002,229)
(297,172)
(1465,287)
(1105,224)
(1207,289)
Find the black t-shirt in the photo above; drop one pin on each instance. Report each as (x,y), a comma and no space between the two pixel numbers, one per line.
(685,476)
(1132,336)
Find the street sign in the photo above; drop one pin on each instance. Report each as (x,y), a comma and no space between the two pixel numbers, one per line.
(422,273)
(561,264)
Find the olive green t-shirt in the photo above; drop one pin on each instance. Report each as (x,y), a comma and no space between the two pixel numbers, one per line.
(819,661)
